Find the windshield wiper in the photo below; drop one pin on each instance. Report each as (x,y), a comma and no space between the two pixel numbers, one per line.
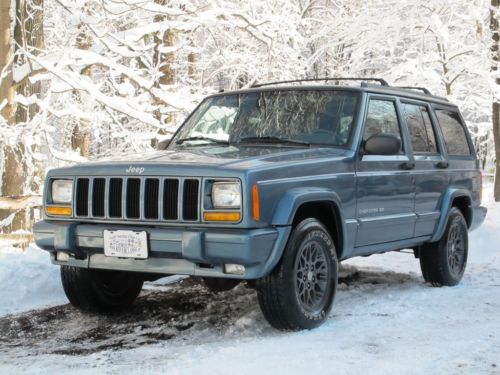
(270,139)
(200,138)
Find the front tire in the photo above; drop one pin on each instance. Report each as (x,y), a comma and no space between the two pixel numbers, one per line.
(299,293)
(443,263)
(102,291)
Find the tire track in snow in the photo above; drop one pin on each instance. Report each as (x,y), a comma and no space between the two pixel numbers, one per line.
(184,310)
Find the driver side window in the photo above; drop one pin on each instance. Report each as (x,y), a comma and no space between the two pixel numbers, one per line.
(382,118)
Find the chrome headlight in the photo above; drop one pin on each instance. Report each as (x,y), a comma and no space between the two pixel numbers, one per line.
(226,194)
(62,191)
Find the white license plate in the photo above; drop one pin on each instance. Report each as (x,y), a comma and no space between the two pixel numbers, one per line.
(125,244)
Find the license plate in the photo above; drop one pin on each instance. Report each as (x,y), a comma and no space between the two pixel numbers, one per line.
(125,244)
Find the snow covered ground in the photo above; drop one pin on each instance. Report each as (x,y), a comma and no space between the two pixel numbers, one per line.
(385,320)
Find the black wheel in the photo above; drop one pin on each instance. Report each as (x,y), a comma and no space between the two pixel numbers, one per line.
(444,262)
(100,290)
(299,293)
(218,284)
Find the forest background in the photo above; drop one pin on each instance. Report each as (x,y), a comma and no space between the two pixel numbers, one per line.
(81,79)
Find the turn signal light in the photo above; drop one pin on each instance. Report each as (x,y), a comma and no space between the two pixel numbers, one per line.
(256,202)
(222,216)
(59,211)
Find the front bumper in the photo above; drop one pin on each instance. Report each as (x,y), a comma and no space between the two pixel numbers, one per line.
(183,251)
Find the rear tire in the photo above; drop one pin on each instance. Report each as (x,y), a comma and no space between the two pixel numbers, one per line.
(299,293)
(95,290)
(443,262)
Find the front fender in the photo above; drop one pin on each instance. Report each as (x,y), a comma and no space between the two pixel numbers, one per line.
(294,198)
(288,206)
(446,204)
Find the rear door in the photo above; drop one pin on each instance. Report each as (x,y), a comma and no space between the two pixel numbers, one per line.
(462,170)
(385,190)
(430,175)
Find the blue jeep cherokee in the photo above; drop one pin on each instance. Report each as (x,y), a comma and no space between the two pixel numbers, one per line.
(275,184)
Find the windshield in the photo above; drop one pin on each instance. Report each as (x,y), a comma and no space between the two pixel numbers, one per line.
(300,117)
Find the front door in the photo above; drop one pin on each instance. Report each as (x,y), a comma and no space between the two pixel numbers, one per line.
(385,189)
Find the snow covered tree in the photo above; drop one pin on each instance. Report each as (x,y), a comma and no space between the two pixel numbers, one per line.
(440,44)
(100,77)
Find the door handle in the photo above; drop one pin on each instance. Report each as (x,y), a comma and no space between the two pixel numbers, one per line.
(442,164)
(407,165)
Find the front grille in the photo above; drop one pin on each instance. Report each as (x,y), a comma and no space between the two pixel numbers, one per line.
(137,198)
(82,197)
(151,191)
(115,197)
(133,198)
(190,198)
(98,196)
(171,199)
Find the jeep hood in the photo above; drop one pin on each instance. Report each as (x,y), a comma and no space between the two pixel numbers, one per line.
(220,157)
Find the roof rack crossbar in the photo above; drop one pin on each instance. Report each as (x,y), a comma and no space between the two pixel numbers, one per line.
(423,89)
(382,81)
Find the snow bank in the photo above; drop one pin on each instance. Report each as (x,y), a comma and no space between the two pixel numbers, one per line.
(27,280)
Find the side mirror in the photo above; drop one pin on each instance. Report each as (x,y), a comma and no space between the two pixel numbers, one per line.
(382,144)
(162,145)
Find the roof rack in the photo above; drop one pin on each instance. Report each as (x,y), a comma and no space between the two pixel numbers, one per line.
(382,82)
(423,89)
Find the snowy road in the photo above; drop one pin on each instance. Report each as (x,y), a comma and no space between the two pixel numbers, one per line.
(385,320)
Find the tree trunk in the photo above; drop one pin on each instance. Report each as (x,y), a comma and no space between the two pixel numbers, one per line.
(12,176)
(495,50)
(28,34)
(81,136)
(496,138)
(7,92)
(165,62)
(192,66)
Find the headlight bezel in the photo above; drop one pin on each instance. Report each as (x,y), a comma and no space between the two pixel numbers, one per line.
(61,191)
(218,188)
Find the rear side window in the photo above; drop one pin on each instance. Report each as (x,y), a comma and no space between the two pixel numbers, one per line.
(423,139)
(381,119)
(453,133)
